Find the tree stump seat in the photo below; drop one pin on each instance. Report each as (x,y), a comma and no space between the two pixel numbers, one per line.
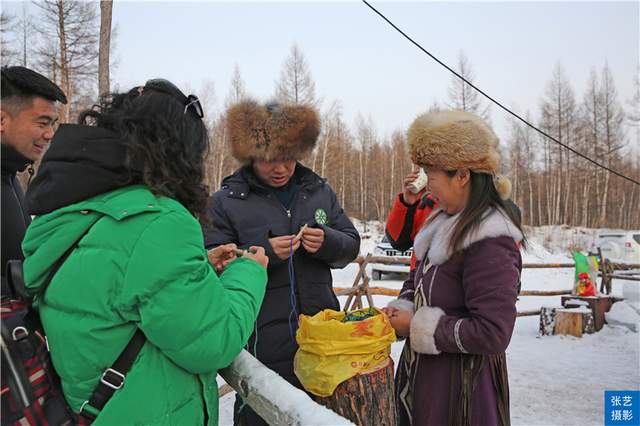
(566,321)
(367,399)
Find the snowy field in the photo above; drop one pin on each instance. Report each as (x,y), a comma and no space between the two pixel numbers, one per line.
(554,380)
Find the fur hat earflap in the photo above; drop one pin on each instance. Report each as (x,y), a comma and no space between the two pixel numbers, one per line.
(453,140)
(272,131)
(503,186)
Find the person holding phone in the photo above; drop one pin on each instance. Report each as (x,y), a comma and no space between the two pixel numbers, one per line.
(460,314)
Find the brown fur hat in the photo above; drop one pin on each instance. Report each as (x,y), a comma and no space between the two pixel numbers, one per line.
(453,140)
(272,131)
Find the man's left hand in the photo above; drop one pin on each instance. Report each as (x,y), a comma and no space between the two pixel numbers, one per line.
(312,239)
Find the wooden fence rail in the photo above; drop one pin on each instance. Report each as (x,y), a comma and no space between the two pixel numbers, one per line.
(272,397)
(361,286)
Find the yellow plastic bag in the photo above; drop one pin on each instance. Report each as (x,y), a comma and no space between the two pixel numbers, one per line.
(332,351)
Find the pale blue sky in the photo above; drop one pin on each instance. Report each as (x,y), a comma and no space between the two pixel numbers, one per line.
(357,58)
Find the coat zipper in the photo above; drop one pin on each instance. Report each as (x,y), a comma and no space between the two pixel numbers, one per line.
(16,376)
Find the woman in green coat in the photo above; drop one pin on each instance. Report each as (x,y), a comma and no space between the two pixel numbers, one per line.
(129,189)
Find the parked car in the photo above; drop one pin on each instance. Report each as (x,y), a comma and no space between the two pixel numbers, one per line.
(384,249)
(623,246)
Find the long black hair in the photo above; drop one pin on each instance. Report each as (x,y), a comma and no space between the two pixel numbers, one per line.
(165,137)
(483,196)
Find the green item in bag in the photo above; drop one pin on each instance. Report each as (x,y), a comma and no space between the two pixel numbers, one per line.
(359,315)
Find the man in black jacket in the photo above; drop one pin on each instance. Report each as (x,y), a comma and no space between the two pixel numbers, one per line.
(28,116)
(275,202)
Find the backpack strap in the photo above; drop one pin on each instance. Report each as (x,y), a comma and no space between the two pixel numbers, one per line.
(113,378)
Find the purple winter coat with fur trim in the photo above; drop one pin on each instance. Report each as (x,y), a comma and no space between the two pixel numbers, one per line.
(464,304)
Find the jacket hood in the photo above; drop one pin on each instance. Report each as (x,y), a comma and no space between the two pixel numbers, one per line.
(13,161)
(49,236)
(83,161)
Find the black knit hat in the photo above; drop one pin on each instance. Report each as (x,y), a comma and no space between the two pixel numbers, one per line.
(21,81)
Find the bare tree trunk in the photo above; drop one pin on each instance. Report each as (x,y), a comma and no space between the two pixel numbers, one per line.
(64,64)
(221,156)
(393,171)
(342,172)
(106,7)
(530,210)
(539,204)
(361,180)
(586,205)
(603,208)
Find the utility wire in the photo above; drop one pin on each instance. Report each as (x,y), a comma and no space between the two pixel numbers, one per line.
(498,103)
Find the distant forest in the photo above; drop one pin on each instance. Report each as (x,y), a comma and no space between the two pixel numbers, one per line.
(550,184)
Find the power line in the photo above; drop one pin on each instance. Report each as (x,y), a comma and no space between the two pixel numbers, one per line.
(498,103)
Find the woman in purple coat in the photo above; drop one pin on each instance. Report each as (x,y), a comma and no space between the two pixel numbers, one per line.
(458,314)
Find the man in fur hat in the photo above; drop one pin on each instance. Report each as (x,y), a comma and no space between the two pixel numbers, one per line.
(275,202)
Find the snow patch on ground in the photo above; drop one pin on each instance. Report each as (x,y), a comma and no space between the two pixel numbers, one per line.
(625,315)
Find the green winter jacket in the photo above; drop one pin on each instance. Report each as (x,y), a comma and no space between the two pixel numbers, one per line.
(142,264)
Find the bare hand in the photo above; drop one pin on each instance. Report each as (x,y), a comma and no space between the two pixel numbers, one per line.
(389,311)
(282,245)
(312,239)
(401,321)
(221,256)
(408,196)
(257,253)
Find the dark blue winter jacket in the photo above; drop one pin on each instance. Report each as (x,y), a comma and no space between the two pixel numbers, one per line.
(247,213)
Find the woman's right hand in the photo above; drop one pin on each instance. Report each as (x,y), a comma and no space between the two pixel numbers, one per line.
(408,196)
(401,321)
(257,253)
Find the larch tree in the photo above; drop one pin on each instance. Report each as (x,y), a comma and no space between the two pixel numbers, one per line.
(462,96)
(7,53)
(558,120)
(296,85)
(72,26)
(613,132)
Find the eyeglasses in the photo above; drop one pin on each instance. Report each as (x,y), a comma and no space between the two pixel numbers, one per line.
(168,88)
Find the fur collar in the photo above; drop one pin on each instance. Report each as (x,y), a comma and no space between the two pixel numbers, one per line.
(433,239)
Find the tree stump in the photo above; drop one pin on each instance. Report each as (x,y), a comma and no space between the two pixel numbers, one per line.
(574,322)
(547,320)
(366,399)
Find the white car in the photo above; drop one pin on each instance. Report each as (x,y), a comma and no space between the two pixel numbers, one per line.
(384,249)
(623,246)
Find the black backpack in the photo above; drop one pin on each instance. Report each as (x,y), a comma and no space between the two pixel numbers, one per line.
(30,392)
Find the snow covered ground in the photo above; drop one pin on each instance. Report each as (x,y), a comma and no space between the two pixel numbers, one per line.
(554,380)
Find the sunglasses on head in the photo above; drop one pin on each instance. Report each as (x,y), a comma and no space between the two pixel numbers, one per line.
(164,86)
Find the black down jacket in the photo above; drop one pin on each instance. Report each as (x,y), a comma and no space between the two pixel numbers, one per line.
(247,213)
(15,218)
